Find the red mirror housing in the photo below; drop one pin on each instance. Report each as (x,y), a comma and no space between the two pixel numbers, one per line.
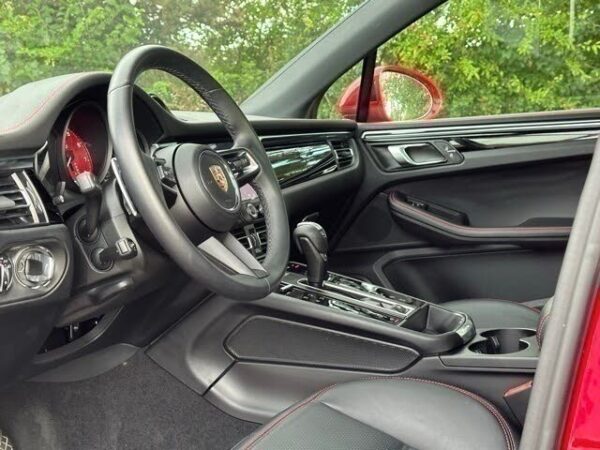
(348,102)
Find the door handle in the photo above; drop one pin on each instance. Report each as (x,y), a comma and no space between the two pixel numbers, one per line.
(419,154)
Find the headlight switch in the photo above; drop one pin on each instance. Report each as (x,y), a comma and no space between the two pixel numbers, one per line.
(35,266)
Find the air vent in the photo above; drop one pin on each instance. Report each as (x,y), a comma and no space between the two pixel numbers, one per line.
(343,152)
(20,204)
(254,239)
(261,232)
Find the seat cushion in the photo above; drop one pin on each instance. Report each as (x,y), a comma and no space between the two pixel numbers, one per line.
(387,413)
(488,313)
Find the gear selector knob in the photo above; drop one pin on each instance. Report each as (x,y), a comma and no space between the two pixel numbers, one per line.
(311,239)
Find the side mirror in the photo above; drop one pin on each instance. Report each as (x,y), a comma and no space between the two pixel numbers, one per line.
(398,93)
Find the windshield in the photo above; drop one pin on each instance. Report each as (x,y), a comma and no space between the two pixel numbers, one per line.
(240,42)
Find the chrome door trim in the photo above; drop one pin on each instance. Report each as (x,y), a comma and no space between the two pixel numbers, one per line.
(478,130)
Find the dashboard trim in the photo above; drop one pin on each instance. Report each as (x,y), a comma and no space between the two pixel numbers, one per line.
(128,203)
(324,135)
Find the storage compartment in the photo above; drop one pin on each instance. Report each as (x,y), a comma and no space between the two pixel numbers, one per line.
(431,319)
(502,341)
(440,276)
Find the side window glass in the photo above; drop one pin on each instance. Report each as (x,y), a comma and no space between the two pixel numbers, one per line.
(488,57)
(329,104)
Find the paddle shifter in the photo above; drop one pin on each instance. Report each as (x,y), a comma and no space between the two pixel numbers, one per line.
(311,240)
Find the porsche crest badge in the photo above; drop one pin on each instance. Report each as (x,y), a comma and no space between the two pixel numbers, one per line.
(219,176)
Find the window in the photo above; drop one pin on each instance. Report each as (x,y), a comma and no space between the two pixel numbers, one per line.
(488,57)
(240,42)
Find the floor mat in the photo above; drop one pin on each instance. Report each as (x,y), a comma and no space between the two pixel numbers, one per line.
(5,442)
(138,405)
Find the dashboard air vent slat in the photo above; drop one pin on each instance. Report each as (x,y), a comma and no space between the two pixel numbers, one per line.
(20,204)
(254,239)
(343,152)
(261,232)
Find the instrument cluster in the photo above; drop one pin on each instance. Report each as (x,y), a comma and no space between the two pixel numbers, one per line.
(83,144)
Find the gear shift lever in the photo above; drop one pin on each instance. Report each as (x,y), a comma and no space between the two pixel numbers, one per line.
(311,240)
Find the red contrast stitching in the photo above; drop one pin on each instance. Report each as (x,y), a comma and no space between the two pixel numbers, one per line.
(285,415)
(403,207)
(508,437)
(540,330)
(41,106)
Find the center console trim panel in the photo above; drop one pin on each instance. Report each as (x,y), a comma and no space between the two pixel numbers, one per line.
(375,303)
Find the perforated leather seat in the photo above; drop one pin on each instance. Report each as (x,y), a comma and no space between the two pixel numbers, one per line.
(388,413)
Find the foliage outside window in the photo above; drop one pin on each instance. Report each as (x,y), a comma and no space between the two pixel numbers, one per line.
(502,56)
(241,42)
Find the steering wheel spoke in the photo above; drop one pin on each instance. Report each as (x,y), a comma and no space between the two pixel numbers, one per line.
(225,250)
(242,164)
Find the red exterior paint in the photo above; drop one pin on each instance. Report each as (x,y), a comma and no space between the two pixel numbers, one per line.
(582,424)
(349,100)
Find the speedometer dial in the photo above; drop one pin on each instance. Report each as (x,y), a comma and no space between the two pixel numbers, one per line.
(85,145)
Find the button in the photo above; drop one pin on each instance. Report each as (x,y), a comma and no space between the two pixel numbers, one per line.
(251,210)
(6,274)
(35,267)
(455,157)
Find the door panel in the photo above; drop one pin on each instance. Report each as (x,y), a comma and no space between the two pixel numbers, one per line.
(500,273)
(491,221)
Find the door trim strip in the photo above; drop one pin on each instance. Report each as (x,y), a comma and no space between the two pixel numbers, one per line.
(478,130)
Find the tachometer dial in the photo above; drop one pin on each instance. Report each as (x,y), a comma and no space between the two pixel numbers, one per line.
(77,155)
(85,145)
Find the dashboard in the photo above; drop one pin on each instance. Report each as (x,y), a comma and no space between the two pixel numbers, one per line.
(54,132)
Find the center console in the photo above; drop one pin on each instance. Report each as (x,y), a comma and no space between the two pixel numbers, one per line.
(421,325)
(319,327)
(352,296)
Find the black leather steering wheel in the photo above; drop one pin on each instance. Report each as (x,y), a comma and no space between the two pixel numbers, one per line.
(204,180)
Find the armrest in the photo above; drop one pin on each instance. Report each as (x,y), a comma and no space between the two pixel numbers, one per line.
(442,231)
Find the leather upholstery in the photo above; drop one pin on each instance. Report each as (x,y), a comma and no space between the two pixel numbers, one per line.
(488,313)
(543,322)
(388,413)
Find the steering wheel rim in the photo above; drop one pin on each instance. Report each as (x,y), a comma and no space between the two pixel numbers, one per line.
(208,262)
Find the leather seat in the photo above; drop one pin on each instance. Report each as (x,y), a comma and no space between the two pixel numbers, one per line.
(388,413)
(487,313)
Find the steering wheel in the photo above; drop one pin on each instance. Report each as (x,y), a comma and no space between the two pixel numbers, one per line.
(204,180)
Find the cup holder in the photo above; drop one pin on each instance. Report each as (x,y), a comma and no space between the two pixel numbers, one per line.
(498,342)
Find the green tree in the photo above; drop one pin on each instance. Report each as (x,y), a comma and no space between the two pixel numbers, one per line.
(489,56)
(241,42)
(42,38)
(505,56)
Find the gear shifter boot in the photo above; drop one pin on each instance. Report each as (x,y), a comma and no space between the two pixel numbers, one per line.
(311,240)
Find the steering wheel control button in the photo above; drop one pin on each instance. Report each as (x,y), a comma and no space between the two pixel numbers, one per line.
(250,212)
(35,267)
(6,274)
